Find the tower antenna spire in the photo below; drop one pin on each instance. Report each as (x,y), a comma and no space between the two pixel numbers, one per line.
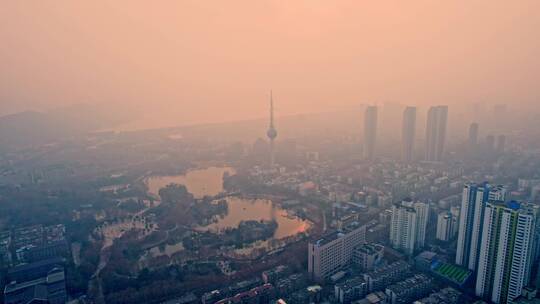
(271,109)
(272,132)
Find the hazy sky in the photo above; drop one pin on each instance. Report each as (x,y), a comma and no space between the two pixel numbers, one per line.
(215,60)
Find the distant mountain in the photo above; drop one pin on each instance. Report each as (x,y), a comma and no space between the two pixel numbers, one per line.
(31,128)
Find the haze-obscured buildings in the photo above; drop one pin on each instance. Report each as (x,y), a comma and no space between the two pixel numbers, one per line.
(370,132)
(436,133)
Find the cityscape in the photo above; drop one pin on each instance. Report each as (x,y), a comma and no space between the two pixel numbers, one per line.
(284,176)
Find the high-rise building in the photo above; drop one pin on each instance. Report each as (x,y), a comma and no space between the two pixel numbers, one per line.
(455,211)
(501,142)
(408,225)
(499,111)
(272,132)
(490,143)
(473,201)
(422,212)
(370,131)
(408,134)
(507,250)
(444,226)
(436,132)
(334,251)
(473,134)
(403,228)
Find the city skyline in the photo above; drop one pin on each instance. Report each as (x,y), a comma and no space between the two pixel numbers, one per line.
(269,152)
(165,60)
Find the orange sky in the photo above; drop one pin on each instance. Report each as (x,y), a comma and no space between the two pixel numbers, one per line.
(216,60)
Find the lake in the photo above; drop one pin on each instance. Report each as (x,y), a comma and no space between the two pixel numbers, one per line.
(243,209)
(199,182)
(209,182)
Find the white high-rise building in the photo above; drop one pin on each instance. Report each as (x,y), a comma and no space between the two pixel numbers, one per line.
(507,250)
(408,225)
(422,212)
(471,216)
(444,226)
(334,251)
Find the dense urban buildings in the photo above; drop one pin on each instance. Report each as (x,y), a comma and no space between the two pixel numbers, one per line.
(141,161)
(370,131)
(436,133)
(408,134)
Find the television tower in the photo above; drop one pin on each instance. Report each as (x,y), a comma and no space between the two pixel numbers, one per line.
(271,133)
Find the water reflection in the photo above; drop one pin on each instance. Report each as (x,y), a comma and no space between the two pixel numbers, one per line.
(242,209)
(200,182)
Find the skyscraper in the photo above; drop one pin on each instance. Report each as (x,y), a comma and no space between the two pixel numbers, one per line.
(408,134)
(473,201)
(408,225)
(473,134)
(272,132)
(501,142)
(490,143)
(436,132)
(370,131)
(422,212)
(507,251)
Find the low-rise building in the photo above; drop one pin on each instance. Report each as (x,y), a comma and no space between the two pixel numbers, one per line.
(48,289)
(409,290)
(377,297)
(293,282)
(377,280)
(367,256)
(260,294)
(447,295)
(276,273)
(350,290)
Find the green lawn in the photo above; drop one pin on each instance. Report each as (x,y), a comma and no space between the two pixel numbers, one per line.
(452,272)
